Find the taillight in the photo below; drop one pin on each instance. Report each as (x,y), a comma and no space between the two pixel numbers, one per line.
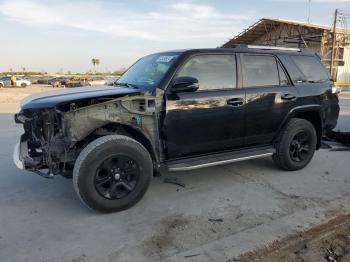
(336,90)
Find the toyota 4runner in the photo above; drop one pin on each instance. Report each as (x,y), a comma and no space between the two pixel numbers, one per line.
(179,110)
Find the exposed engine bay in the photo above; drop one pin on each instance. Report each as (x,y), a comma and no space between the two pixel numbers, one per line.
(54,137)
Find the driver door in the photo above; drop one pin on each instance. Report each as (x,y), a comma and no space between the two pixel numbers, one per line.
(210,119)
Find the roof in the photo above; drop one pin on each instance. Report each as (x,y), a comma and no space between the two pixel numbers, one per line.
(262,26)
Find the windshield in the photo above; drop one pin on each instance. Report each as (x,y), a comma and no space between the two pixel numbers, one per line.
(147,72)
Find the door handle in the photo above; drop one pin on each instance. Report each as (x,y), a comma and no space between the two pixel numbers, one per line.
(288,97)
(235,102)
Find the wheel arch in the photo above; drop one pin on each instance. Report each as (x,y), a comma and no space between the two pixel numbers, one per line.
(311,113)
(126,130)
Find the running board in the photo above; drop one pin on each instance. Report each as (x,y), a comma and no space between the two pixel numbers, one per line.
(217,159)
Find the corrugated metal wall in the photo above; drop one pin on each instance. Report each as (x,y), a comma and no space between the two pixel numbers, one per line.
(344,71)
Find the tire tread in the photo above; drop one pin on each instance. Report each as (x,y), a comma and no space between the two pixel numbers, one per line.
(280,155)
(94,145)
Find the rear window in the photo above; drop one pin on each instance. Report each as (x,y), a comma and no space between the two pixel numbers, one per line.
(260,70)
(312,68)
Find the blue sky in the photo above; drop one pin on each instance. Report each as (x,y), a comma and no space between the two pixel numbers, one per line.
(54,35)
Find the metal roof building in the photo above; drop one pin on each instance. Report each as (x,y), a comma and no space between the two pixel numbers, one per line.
(314,37)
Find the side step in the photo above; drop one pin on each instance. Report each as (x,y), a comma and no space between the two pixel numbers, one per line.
(218,159)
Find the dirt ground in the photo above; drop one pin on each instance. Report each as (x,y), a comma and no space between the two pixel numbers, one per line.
(326,242)
(10,97)
(16,94)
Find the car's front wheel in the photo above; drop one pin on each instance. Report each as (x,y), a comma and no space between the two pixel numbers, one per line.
(112,173)
(296,145)
(23,85)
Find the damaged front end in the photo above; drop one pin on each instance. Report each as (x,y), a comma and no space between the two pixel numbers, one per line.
(43,143)
(53,137)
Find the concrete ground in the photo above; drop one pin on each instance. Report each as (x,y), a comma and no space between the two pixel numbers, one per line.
(222,212)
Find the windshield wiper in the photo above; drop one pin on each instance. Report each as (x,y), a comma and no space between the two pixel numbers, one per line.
(127,85)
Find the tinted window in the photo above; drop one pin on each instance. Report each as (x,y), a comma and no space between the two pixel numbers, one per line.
(311,67)
(260,70)
(212,71)
(283,78)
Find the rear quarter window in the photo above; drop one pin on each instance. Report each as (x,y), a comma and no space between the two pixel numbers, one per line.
(311,67)
(260,70)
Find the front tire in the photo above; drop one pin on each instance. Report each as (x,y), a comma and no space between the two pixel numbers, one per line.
(296,145)
(112,173)
(23,85)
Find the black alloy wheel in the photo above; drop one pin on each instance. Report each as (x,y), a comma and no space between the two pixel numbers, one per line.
(295,145)
(112,173)
(299,148)
(116,177)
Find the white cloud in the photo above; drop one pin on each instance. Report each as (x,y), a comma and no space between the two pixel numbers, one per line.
(180,22)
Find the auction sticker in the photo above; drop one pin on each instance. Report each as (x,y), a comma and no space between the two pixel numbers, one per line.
(165,58)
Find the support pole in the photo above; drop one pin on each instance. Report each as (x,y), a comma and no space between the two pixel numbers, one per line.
(333,44)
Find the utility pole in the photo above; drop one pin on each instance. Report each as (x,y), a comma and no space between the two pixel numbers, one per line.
(334,43)
(308,11)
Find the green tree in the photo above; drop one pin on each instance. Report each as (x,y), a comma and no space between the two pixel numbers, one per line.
(95,62)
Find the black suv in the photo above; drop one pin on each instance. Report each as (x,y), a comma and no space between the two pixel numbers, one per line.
(179,110)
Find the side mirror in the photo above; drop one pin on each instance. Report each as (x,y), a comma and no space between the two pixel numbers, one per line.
(185,84)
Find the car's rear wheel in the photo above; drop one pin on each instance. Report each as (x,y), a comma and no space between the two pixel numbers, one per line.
(1,85)
(23,85)
(296,145)
(112,173)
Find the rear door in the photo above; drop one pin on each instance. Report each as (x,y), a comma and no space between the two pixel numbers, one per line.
(270,96)
(210,119)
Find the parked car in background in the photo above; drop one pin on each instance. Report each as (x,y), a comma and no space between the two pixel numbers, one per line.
(22,82)
(5,81)
(58,81)
(33,79)
(44,80)
(19,82)
(75,82)
(95,81)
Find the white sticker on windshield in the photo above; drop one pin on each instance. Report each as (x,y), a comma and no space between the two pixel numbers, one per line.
(165,58)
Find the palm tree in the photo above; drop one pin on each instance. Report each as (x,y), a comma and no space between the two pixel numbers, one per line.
(95,62)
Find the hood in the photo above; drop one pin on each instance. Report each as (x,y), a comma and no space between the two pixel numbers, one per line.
(55,98)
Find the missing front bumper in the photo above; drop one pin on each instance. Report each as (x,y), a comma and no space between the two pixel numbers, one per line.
(17,159)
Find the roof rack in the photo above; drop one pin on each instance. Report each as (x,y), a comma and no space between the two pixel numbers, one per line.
(273,48)
(243,46)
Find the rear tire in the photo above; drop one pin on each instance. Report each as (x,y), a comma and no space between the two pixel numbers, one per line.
(1,85)
(112,173)
(296,145)
(23,85)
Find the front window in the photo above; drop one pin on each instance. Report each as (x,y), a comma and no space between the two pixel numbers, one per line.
(212,71)
(147,72)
